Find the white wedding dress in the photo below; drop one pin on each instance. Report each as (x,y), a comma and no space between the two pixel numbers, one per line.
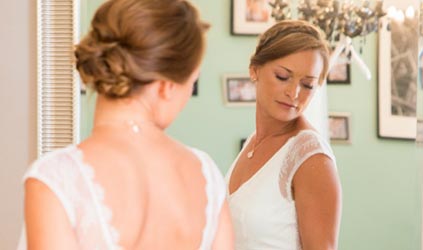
(72,181)
(263,210)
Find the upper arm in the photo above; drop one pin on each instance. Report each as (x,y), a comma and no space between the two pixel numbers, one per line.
(47,224)
(224,239)
(318,203)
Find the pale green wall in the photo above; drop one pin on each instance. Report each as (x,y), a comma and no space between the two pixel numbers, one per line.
(380,178)
(88,8)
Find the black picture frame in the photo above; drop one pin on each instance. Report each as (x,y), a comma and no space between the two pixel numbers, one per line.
(241,143)
(195,88)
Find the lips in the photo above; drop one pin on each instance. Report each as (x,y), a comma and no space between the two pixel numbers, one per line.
(287,105)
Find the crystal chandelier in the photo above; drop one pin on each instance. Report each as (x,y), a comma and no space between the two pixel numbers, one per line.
(335,18)
(340,21)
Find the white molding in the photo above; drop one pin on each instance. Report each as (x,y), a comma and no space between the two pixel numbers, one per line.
(58,84)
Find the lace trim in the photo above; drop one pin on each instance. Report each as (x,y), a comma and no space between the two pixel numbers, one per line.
(105,213)
(310,144)
(208,212)
(215,194)
(209,209)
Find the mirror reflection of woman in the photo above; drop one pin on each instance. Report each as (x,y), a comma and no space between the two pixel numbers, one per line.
(283,188)
(129,185)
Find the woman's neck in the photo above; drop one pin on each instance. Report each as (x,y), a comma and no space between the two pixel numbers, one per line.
(122,110)
(268,126)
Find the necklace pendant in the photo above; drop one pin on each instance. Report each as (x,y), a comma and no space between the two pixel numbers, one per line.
(134,126)
(250,154)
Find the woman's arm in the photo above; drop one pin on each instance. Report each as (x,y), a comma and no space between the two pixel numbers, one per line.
(317,194)
(224,239)
(47,225)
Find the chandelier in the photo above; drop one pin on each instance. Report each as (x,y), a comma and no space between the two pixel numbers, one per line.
(334,18)
(340,21)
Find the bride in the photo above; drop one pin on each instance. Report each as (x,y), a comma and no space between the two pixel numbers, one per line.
(129,185)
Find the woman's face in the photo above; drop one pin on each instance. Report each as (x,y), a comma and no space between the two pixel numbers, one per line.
(286,85)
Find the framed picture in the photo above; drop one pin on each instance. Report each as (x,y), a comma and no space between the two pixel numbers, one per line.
(82,87)
(238,90)
(195,88)
(340,72)
(397,79)
(250,17)
(339,127)
(241,143)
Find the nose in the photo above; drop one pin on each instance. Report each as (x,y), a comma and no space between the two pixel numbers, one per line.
(293,90)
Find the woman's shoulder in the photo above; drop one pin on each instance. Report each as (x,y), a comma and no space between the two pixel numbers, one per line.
(308,142)
(53,162)
(209,167)
(198,152)
(307,136)
(308,147)
(58,170)
(206,160)
(313,159)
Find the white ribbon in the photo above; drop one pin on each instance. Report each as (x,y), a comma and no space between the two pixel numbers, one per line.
(346,43)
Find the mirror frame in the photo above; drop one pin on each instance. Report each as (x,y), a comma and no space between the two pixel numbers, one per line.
(58,84)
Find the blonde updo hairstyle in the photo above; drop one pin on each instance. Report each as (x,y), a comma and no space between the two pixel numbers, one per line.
(288,37)
(134,42)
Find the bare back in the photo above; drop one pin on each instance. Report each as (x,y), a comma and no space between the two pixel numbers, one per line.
(153,185)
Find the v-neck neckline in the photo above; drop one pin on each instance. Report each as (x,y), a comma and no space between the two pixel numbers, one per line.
(264,166)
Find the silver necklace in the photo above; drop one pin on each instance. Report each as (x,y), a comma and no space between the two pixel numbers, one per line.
(250,153)
(132,124)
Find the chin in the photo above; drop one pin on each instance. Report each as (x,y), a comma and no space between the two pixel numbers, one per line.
(163,124)
(286,116)
(290,119)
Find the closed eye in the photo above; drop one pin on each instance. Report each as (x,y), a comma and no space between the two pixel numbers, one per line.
(282,78)
(307,86)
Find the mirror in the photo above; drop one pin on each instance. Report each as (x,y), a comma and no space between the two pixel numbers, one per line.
(380,177)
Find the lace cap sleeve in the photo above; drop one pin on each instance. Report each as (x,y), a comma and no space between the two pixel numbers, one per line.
(51,170)
(306,144)
(72,182)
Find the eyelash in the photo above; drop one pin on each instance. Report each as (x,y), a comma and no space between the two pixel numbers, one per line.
(282,78)
(286,78)
(308,86)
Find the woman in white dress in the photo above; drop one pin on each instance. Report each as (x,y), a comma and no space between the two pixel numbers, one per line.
(129,185)
(283,188)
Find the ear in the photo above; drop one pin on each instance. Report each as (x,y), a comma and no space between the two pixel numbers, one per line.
(253,74)
(166,89)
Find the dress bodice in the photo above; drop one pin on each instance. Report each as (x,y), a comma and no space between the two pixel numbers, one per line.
(262,208)
(72,181)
